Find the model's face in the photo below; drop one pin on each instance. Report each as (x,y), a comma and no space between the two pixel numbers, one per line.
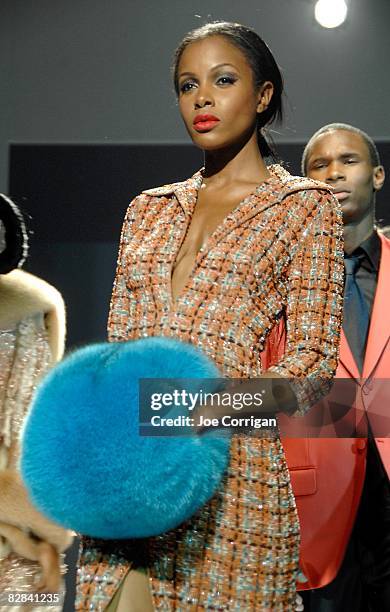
(217,96)
(342,159)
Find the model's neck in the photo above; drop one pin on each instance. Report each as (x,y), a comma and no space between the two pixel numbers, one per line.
(239,164)
(356,233)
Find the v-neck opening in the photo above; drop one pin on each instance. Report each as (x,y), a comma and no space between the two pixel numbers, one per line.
(198,178)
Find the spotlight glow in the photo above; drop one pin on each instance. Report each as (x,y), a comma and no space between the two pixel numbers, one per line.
(330,13)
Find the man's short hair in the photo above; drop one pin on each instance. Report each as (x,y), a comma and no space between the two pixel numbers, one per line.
(374,155)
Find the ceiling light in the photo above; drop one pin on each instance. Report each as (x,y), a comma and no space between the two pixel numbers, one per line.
(330,13)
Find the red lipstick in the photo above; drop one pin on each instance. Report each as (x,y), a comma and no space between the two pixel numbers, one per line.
(204,123)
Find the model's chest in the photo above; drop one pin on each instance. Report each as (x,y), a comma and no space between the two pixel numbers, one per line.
(209,215)
(229,247)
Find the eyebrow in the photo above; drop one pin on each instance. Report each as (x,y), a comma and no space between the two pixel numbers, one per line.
(351,154)
(212,69)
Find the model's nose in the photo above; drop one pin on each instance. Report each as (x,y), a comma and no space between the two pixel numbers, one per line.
(203,98)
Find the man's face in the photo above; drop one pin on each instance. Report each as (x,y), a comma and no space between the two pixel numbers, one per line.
(342,159)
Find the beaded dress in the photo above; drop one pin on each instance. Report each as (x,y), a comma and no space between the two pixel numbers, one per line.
(278,253)
(25,356)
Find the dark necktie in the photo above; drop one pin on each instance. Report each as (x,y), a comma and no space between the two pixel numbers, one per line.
(356,315)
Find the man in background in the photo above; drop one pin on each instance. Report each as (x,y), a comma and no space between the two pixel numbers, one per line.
(350,502)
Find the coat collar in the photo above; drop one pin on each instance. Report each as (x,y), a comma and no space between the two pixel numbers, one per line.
(347,359)
(279,185)
(186,191)
(273,190)
(379,331)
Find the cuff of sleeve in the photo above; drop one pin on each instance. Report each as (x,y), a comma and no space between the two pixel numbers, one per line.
(308,391)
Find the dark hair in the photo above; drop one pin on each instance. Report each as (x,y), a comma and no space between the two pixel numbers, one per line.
(373,151)
(16,241)
(260,59)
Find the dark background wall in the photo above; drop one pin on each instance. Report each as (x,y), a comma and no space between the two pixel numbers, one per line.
(75,197)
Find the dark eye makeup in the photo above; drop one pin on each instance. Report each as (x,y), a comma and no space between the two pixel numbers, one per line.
(220,80)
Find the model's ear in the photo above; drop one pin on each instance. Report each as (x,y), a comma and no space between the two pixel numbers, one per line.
(378,175)
(265,94)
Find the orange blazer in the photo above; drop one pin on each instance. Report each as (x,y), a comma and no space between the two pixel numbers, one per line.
(327,474)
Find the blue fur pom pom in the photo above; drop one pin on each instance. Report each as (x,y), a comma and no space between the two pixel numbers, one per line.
(83,460)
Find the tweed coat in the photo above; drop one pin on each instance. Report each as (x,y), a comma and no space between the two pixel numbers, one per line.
(278,253)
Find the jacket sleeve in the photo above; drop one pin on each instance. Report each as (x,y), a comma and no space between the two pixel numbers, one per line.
(315,279)
(119,305)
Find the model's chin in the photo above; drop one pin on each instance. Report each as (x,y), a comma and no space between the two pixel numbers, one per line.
(210,141)
(209,147)
(205,136)
(219,139)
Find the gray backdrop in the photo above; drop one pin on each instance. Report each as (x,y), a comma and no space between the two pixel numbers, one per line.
(98,70)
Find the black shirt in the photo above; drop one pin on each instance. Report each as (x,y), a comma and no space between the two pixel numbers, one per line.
(367,273)
(369,253)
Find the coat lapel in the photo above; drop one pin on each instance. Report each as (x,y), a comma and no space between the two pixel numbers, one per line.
(346,358)
(379,331)
(186,192)
(272,191)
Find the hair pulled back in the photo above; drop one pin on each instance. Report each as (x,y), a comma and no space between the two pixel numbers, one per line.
(14,240)
(260,59)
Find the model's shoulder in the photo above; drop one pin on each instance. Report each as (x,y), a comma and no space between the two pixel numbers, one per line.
(163,190)
(23,294)
(293,184)
(170,188)
(142,200)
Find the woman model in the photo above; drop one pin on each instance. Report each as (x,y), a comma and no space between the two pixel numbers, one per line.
(32,332)
(217,261)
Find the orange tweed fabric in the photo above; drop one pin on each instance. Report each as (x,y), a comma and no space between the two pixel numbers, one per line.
(278,253)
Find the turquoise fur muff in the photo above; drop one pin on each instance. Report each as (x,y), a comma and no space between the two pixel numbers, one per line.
(83,460)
